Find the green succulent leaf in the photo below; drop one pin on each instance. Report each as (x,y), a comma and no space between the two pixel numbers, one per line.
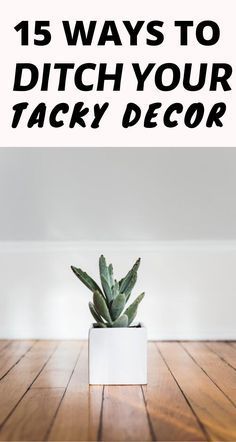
(105,278)
(99,325)
(101,307)
(131,311)
(130,285)
(86,279)
(110,271)
(128,282)
(107,289)
(115,289)
(117,306)
(122,321)
(96,316)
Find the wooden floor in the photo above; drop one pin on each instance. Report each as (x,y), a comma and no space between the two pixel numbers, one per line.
(190,396)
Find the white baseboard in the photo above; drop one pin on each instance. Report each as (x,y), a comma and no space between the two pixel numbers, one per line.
(190,287)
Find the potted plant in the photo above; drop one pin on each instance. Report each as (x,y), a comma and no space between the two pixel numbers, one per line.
(117,348)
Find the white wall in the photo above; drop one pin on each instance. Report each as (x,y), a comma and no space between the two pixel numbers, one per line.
(190,288)
(125,194)
(175,207)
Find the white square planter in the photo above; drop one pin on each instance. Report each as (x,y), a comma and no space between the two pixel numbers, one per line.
(118,355)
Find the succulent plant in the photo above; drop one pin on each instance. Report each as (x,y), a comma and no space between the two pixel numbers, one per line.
(109,301)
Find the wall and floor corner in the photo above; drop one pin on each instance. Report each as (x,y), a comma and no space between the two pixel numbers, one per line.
(175,207)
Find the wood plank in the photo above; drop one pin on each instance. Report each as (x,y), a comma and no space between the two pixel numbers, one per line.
(79,413)
(124,415)
(12,354)
(19,379)
(171,417)
(3,343)
(214,410)
(225,350)
(222,374)
(33,416)
(58,369)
